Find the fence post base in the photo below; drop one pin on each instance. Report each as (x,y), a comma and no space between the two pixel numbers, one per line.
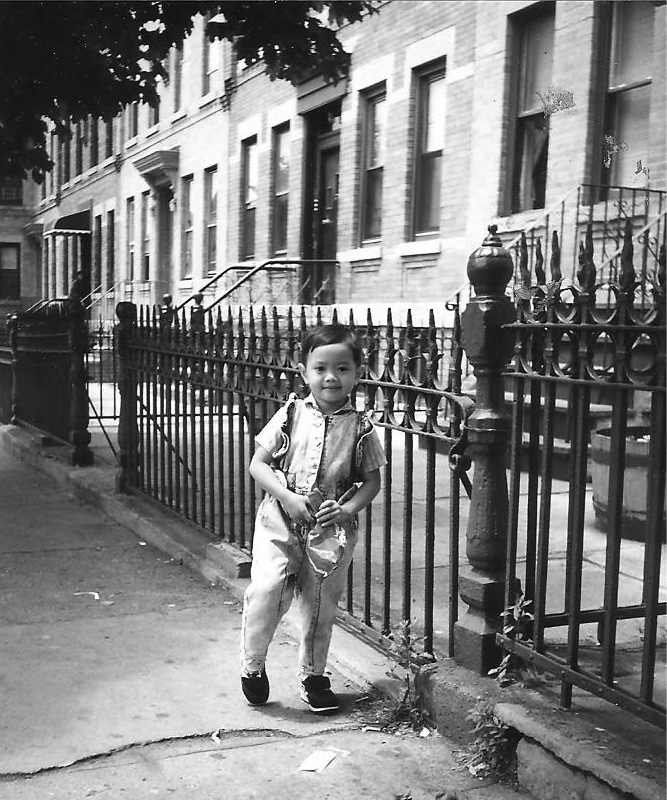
(475,632)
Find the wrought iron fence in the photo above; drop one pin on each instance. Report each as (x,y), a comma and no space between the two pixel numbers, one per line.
(203,391)
(574,346)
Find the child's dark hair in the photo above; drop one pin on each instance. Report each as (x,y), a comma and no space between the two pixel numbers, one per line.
(335,333)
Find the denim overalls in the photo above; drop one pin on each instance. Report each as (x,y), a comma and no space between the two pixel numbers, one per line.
(309,451)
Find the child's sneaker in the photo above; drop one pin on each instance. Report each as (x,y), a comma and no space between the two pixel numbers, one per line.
(255,688)
(316,692)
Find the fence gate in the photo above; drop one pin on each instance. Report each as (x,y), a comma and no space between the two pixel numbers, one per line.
(588,392)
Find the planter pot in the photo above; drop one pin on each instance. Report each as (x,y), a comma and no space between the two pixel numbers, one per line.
(635,480)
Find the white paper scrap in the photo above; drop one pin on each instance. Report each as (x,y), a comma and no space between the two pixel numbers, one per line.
(94,595)
(318,761)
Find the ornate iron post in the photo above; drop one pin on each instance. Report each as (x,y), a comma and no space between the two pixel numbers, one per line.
(489,349)
(79,417)
(128,430)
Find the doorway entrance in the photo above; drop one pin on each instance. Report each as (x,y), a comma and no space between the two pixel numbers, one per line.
(321,222)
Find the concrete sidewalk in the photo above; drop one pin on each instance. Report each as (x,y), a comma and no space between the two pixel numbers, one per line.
(119,668)
(143,695)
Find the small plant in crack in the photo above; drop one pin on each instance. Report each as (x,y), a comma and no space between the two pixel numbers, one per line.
(512,668)
(409,712)
(493,750)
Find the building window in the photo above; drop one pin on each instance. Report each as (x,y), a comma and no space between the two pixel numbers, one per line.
(97,254)
(11,191)
(177,76)
(10,260)
(133,120)
(281,164)
(80,135)
(111,249)
(249,197)
(108,146)
(129,237)
(210,219)
(94,141)
(628,98)
(154,114)
(534,53)
(210,64)
(145,238)
(373,155)
(187,225)
(65,159)
(430,141)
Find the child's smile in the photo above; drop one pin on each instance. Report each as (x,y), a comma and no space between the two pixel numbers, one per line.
(330,373)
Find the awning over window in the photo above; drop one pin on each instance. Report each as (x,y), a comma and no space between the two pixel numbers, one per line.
(72,224)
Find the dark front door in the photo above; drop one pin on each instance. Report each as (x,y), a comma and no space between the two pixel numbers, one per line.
(318,279)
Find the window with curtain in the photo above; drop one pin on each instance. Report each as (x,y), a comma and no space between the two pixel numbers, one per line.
(145,238)
(628,97)
(533,53)
(111,248)
(249,197)
(187,227)
(430,140)
(281,165)
(373,155)
(129,237)
(210,219)
(10,262)
(97,253)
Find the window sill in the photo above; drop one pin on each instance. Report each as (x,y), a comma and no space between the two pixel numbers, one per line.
(131,142)
(207,99)
(153,130)
(178,115)
(368,253)
(420,247)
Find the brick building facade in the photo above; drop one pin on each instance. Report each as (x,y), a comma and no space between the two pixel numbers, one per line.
(454,115)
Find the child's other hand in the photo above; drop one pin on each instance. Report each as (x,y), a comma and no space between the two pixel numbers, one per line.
(331,513)
(297,508)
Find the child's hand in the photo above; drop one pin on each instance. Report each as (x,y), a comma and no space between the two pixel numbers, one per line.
(331,513)
(297,509)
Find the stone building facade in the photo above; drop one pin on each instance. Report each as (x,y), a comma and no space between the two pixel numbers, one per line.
(455,114)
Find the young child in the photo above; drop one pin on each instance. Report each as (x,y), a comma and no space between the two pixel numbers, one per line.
(318,461)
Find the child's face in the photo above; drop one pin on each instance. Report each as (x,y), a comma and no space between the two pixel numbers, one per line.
(330,373)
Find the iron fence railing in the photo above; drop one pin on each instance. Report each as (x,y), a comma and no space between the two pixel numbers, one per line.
(202,393)
(572,343)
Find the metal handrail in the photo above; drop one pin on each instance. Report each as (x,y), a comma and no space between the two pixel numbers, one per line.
(288,264)
(209,283)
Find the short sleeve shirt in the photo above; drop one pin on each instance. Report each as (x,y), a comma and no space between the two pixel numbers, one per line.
(330,452)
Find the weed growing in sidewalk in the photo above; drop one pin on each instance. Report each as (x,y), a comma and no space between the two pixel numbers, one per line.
(492,753)
(512,668)
(409,712)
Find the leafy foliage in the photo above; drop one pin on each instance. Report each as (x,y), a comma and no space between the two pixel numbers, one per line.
(512,668)
(61,61)
(493,751)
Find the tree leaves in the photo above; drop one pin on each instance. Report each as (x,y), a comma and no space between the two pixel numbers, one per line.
(64,61)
